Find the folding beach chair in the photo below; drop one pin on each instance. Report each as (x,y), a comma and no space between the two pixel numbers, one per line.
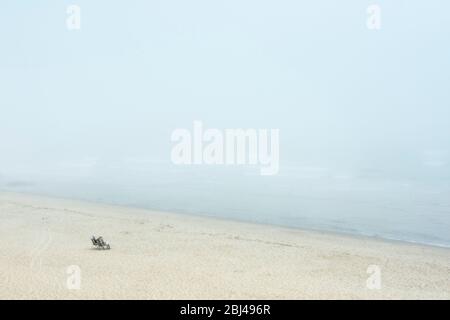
(99,243)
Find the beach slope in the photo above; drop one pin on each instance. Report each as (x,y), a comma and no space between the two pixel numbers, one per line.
(46,253)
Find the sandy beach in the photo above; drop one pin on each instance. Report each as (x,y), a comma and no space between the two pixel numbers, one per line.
(157,255)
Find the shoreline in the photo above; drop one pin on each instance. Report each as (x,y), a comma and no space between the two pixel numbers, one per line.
(225,219)
(154,253)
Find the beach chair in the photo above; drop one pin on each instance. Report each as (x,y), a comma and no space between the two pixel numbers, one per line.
(99,243)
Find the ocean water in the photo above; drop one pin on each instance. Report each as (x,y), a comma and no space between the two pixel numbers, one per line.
(362,203)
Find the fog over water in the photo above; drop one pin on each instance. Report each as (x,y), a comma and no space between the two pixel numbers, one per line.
(364,116)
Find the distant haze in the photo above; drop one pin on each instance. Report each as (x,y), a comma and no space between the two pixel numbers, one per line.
(364,115)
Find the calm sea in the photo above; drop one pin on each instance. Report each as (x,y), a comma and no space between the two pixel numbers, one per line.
(365,203)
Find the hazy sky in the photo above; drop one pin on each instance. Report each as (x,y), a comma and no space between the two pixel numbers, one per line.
(341,95)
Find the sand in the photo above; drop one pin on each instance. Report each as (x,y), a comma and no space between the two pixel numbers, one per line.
(46,253)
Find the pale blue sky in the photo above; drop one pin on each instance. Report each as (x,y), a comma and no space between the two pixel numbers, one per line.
(341,95)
